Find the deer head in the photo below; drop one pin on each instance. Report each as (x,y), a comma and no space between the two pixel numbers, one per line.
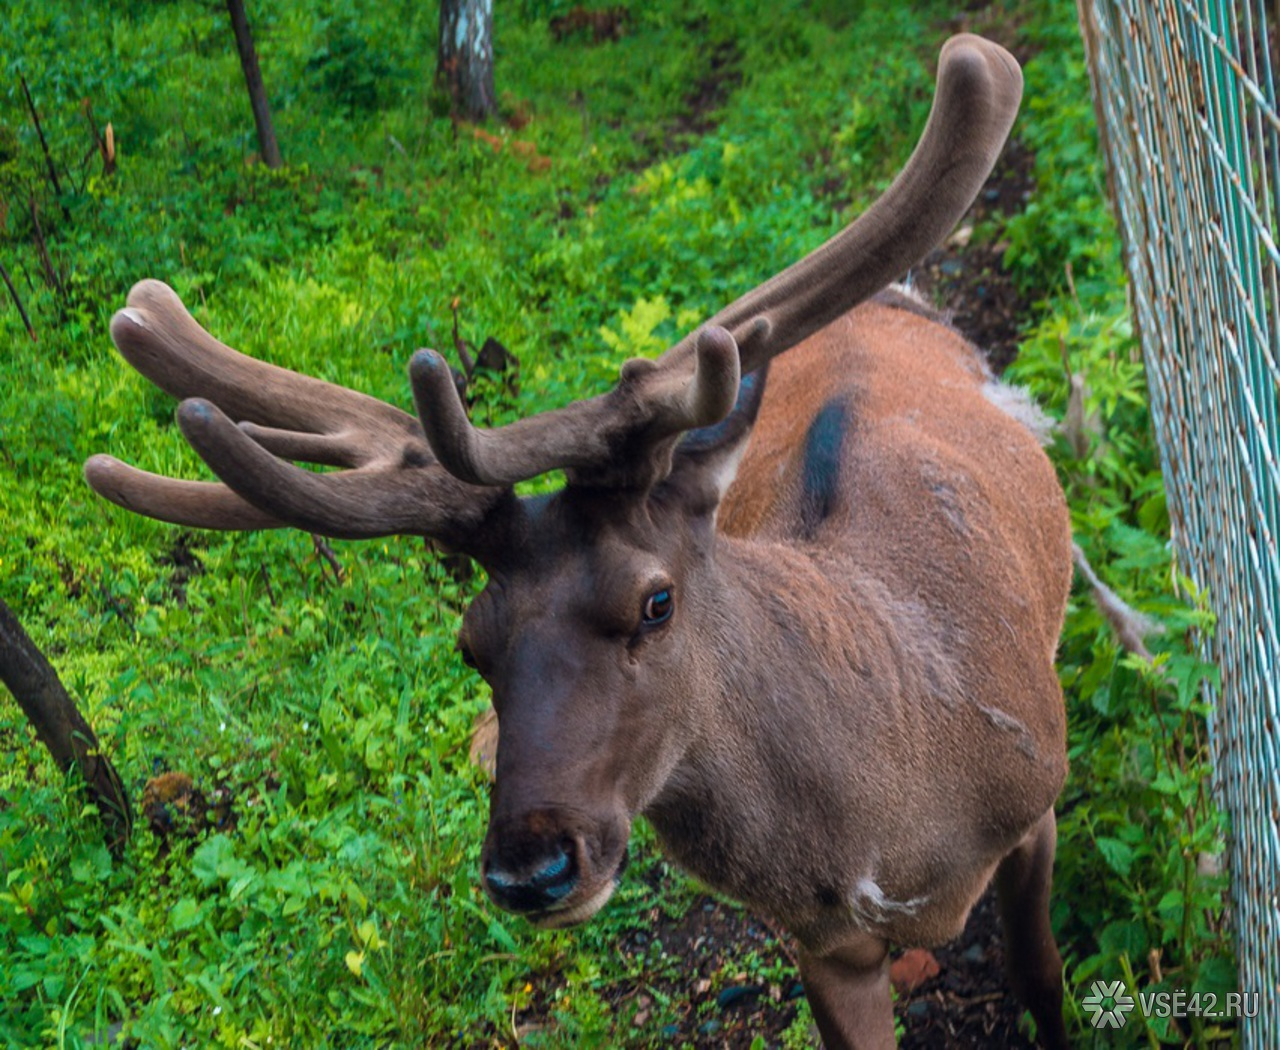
(614,619)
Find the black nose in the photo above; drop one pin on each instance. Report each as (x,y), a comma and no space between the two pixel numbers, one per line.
(534,886)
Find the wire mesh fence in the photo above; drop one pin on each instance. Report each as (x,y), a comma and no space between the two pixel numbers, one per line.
(1188,117)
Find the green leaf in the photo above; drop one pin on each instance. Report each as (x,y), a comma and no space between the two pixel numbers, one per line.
(1217,975)
(215,860)
(185,914)
(1124,938)
(1117,854)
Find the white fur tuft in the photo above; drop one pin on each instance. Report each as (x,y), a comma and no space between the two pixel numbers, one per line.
(1015,402)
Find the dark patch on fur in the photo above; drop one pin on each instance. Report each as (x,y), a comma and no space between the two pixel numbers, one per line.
(827,897)
(952,509)
(823,453)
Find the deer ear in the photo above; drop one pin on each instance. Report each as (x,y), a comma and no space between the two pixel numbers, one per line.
(706,460)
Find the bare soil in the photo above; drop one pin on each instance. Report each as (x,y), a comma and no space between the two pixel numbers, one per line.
(735,981)
(966,275)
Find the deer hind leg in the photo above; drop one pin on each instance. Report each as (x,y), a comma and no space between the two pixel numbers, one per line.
(1034,967)
(848,992)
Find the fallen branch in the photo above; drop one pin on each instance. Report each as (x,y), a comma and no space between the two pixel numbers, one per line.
(13,293)
(40,693)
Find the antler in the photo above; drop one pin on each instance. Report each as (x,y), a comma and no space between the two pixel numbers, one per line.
(393,484)
(441,479)
(979,89)
(974,106)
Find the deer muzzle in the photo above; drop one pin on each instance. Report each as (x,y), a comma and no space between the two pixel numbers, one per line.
(555,868)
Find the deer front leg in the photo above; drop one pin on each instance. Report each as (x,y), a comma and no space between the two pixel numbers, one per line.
(1032,962)
(848,992)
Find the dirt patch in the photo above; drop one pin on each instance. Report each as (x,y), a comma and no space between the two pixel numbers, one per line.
(968,1006)
(717,74)
(998,21)
(717,978)
(183,563)
(720,73)
(967,277)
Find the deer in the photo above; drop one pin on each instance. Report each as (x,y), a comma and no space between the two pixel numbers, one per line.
(796,603)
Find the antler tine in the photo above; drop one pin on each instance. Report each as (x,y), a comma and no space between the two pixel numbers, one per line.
(158,336)
(197,504)
(352,504)
(978,92)
(650,403)
(395,486)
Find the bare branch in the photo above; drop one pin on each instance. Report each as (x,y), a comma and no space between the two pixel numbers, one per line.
(48,157)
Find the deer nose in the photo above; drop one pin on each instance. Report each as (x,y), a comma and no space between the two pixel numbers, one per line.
(533,887)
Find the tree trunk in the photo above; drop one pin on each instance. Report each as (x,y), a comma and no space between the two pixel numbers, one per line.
(60,727)
(253,81)
(464,65)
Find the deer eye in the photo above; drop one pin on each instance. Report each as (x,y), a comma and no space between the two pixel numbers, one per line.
(657,607)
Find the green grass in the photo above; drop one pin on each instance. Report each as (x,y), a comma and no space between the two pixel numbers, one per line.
(342,909)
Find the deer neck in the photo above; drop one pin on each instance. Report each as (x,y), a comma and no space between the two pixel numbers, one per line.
(813,713)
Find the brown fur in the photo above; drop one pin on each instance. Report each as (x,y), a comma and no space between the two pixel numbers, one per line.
(942,578)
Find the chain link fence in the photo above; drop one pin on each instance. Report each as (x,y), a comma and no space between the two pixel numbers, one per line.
(1187,114)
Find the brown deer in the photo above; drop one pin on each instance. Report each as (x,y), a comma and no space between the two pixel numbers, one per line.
(807,630)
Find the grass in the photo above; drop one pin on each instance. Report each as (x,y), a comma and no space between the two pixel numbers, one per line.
(341,907)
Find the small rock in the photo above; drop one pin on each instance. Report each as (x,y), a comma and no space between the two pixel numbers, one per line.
(918,1009)
(737,994)
(911,969)
(641,1018)
(670,1031)
(710,1027)
(975,953)
(961,238)
(702,987)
